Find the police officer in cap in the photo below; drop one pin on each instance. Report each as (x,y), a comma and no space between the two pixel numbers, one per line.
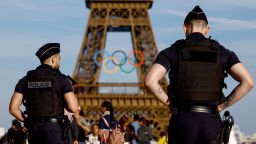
(44,92)
(197,67)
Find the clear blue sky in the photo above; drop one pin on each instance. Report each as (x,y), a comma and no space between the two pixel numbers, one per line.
(26,25)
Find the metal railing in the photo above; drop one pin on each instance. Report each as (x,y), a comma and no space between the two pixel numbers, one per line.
(111,88)
(87,2)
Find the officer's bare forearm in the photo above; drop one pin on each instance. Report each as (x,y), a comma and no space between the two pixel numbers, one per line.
(72,102)
(239,92)
(240,74)
(14,106)
(157,91)
(155,74)
(17,113)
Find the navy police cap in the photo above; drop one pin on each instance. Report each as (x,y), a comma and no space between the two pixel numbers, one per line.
(48,50)
(196,14)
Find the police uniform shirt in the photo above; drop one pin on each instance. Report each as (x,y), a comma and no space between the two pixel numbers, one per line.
(63,85)
(168,57)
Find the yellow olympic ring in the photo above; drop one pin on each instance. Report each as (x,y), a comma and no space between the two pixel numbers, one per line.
(110,71)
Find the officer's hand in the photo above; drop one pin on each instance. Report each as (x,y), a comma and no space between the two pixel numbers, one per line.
(24,129)
(220,107)
(75,142)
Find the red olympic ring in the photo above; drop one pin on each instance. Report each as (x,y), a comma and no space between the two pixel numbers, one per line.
(141,55)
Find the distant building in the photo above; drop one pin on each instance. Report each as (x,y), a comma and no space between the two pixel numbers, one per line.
(240,137)
(2,131)
(233,138)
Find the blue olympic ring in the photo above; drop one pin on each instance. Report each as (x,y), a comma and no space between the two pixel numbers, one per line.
(96,55)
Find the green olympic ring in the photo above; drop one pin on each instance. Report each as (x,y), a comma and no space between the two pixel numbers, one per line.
(127,71)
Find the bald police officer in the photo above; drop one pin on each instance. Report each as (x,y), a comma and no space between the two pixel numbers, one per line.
(197,67)
(44,92)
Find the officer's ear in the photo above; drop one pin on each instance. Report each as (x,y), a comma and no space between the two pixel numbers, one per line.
(53,59)
(207,30)
(184,28)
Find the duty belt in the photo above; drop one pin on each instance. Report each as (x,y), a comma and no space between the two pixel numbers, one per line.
(52,120)
(199,109)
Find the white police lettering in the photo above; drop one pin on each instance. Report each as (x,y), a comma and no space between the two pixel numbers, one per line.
(44,84)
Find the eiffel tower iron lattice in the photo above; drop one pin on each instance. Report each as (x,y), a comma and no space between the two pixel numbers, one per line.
(113,16)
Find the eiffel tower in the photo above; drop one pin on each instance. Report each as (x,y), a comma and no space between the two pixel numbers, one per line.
(115,16)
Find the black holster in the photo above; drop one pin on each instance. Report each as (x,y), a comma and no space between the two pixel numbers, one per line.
(65,125)
(223,135)
(29,124)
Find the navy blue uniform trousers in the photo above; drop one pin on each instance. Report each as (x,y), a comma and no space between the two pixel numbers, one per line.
(45,133)
(193,128)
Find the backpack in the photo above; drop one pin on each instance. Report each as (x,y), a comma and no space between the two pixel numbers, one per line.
(113,136)
(116,137)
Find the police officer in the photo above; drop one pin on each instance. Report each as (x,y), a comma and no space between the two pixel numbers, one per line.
(44,92)
(196,67)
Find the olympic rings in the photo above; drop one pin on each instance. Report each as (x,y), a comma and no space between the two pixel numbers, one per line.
(96,55)
(129,71)
(118,64)
(125,59)
(105,60)
(142,57)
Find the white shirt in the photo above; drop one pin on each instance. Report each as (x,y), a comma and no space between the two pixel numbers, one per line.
(92,139)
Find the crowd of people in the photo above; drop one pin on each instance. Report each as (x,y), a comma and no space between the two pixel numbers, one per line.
(16,134)
(107,130)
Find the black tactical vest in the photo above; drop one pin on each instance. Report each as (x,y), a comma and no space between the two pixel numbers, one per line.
(200,76)
(41,98)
